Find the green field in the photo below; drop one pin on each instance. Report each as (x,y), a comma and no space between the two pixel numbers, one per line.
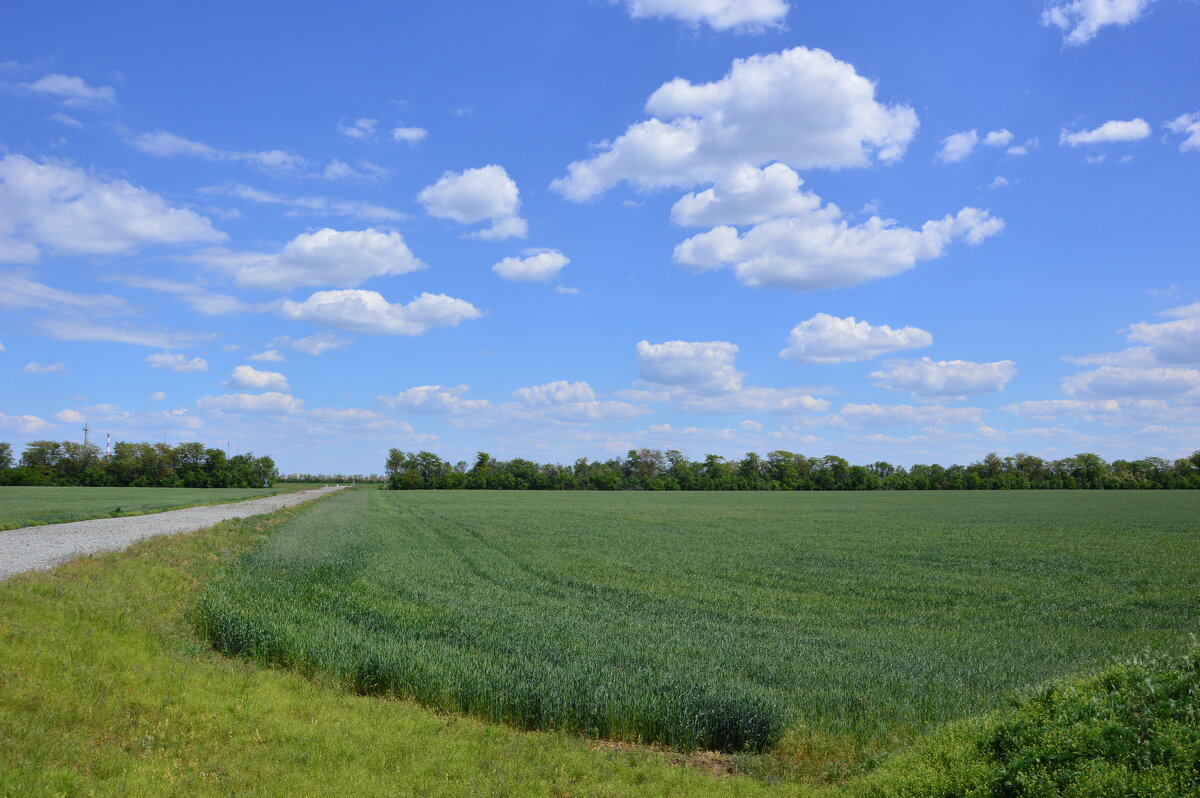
(814,625)
(33,506)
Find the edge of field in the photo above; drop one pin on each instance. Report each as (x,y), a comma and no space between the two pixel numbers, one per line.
(109,690)
(8,526)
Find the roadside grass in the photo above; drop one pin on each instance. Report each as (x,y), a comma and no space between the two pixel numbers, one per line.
(827,629)
(106,689)
(22,506)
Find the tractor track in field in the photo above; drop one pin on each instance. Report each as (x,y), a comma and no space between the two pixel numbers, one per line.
(37,548)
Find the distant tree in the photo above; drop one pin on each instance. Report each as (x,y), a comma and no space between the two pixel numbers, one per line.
(6,458)
(42,453)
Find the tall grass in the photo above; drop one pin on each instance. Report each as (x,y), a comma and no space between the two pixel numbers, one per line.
(716,621)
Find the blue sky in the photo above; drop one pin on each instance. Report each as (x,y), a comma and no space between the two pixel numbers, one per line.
(559,228)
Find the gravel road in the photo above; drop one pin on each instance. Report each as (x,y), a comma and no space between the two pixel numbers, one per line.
(39,547)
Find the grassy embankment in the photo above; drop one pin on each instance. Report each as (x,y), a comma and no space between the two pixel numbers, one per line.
(105,689)
(824,628)
(26,506)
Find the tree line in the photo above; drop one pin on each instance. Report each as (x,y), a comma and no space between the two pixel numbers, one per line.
(138,465)
(338,478)
(651,469)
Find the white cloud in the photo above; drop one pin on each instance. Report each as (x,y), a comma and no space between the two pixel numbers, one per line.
(476,195)
(199,298)
(1113,412)
(1172,341)
(337,169)
(76,329)
(1189,125)
(949,378)
(701,377)
(556,393)
(573,402)
(342,258)
(1183,312)
(1081,20)
(746,196)
(346,415)
(162,144)
(70,417)
(508,227)
(958,146)
(876,415)
(49,368)
(720,15)
(1138,356)
(136,425)
(369,312)
(1124,382)
(73,91)
(317,206)
(822,250)
(566,402)
(72,212)
(409,135)
(800,106)
(63,119)
(540,266)
(2,349)
(158,396)
(435,399)
(269,356)
(749,399)
(1111,131)
(829,339)
(363,128)
(177,362)
(705,366)
(998,138)
(26,425)
(315,344)
(271,402)
(250,378)
(21,292)
(1000,181)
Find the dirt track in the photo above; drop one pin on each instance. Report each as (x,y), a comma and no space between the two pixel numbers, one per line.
(39,547)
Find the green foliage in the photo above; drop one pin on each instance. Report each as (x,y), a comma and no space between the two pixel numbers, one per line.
(1131,730)
(650,469)
(713,620)
(141,465)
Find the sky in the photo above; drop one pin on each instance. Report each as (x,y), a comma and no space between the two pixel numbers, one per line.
(914,232)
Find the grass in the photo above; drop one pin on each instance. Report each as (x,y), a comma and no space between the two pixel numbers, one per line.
(106,690)
(824,628)
(35,506)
